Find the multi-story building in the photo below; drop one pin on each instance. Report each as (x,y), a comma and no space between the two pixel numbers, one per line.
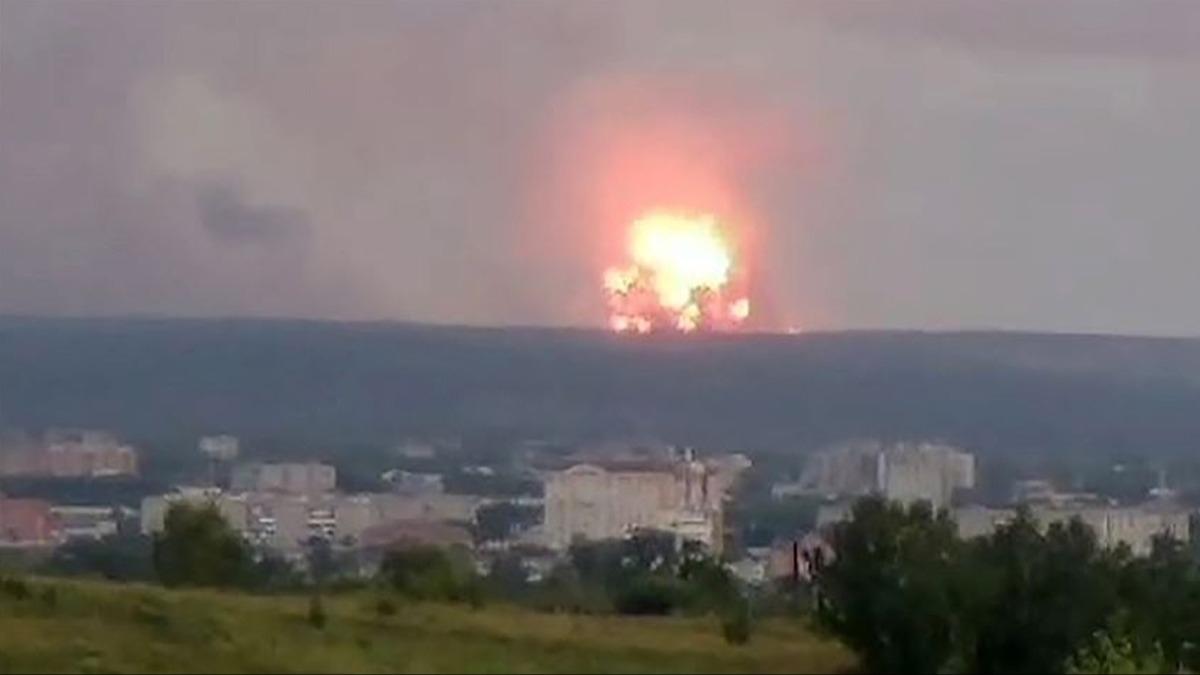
(285,478)
(904,472)
(1133,526)
(67,454)
(607,499)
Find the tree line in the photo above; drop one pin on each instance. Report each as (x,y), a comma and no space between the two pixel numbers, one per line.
(908,595)
(647,573)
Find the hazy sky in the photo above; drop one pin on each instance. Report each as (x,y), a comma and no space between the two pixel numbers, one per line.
(1024,165)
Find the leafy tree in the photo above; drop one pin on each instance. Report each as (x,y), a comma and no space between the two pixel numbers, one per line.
(646,573)
(427,572)
(647,594)
(115,558)
(1161,595)
(709,585)
(322,563)
(650,551)
(508,577)
(198,548)
(499,521)
(735,622)
(1034,599)
(886,592)
(1105,654)
(908,596)
(270,571)
(761,519)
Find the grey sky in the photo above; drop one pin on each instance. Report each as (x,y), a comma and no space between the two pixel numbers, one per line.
(1023,165)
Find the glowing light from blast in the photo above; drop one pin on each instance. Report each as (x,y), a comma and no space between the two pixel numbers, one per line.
(681,277)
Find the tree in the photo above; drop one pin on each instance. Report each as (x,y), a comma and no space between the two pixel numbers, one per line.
(650,551)
(735,622)
(270,571)
(1034,600)
(427,572)
(1161,596)
(316,611)
(1105,654)
(322,563)
(709,586)
(115,558)
(647,594)
(499,521)
(198,548)
(887,593)
(508,577)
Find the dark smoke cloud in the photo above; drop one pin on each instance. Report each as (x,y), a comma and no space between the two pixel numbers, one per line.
(225,213)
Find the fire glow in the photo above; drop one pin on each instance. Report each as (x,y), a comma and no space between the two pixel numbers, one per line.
(681,278)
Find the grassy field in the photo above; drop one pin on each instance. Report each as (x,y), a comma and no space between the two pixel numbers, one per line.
(94,627)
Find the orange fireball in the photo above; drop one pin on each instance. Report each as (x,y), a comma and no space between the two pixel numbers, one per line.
(680,277)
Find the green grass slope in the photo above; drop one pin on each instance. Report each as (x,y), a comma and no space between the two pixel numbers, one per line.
(93,627)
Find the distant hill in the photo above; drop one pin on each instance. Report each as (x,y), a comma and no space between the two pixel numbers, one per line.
(994,392)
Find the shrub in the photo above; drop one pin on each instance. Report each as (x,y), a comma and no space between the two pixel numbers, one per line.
(647,595)
(50,596)
(735,624)
(385,607)
(15,589)
(316,612)
(151,612)
(429,573)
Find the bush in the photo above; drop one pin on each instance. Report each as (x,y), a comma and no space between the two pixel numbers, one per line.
(1105,654)
(50,596)
(385,607)
(15,589)
(735,625)
(647,595)
(115,558)
(316,612)
(428,573)
(151,616)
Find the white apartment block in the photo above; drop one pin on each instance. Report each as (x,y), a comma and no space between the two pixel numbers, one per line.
(608,500)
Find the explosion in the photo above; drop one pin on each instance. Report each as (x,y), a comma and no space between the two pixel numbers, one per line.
(682,278)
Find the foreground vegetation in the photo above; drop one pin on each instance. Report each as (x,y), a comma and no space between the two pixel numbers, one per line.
(910,596)
(80,626)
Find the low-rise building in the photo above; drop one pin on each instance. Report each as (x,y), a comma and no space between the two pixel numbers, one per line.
(28,523)
(408,482)
(87,522)
(1134,526)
